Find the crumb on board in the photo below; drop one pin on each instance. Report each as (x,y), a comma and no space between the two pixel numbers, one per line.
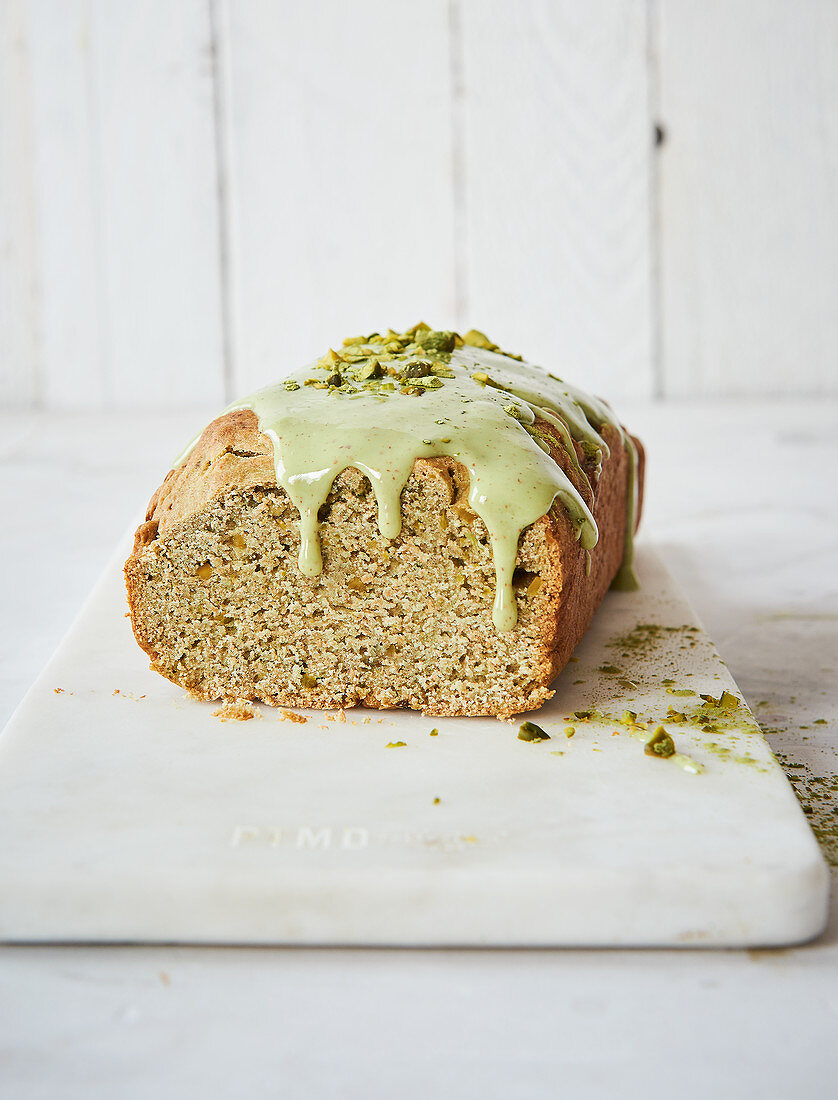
(291,716)
(239,711)
(341,715)
(58,691)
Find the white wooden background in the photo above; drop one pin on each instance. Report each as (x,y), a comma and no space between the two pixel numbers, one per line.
(194,193)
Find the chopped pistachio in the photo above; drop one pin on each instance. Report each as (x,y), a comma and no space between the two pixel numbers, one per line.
(569,731)
(372,369)
(436,341)
(417,369)
(396,744)
(434,732)
(476,339)
(480,377)
(529,731)
(660,744)
(291,385)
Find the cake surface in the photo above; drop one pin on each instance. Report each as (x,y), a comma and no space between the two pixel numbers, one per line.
(416,520)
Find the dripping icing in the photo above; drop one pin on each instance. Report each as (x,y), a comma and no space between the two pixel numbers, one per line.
(480,409)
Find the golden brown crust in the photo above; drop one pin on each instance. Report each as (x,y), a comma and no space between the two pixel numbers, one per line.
(232,457)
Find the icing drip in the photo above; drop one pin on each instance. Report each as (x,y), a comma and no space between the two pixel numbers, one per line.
(382,403)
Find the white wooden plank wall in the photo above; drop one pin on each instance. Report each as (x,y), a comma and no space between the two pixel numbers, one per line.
(556,167)
(338,125)
(749,196)
(126,196)
(159,214)
(19,358)
(197,194)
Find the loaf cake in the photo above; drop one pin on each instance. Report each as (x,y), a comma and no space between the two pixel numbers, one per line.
(416,520)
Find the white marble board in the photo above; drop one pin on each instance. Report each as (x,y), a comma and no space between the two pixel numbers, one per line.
(129,812)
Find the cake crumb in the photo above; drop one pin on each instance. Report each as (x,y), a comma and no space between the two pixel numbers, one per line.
(240,711)
(291,716)
(58,691)
(341,715)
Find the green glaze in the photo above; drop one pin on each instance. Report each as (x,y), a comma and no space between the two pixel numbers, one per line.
(384,401)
